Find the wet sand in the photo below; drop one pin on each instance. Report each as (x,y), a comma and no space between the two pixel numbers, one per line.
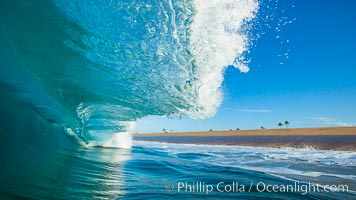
(330,138)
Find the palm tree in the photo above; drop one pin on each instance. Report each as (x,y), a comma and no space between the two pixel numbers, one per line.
(262,127)
(286,123)
(164,130)
(280,125)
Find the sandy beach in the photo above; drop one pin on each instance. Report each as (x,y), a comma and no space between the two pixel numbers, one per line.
(326,138)
(266,132)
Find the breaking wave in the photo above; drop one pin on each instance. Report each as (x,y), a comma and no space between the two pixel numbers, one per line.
(95,67)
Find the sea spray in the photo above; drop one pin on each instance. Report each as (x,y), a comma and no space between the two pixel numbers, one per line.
(218,40)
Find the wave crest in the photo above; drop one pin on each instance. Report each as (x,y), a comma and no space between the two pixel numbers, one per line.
(218,40)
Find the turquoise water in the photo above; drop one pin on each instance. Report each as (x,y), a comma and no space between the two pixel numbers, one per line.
(96,67)
(76,75)
(149,170)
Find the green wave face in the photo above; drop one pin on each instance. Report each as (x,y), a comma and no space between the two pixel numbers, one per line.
(95,67)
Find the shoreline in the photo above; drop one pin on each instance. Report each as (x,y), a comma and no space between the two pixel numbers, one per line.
(328,138)
(266,132)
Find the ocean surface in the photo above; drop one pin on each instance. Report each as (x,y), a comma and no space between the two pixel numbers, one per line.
(320,142)
(76,75)
(152,170)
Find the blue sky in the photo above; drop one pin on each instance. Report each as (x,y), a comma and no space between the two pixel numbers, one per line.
(305,73)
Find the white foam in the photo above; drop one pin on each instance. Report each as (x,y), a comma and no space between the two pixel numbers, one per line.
(217,41)
(119,140)
(122,140)
(246,155)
